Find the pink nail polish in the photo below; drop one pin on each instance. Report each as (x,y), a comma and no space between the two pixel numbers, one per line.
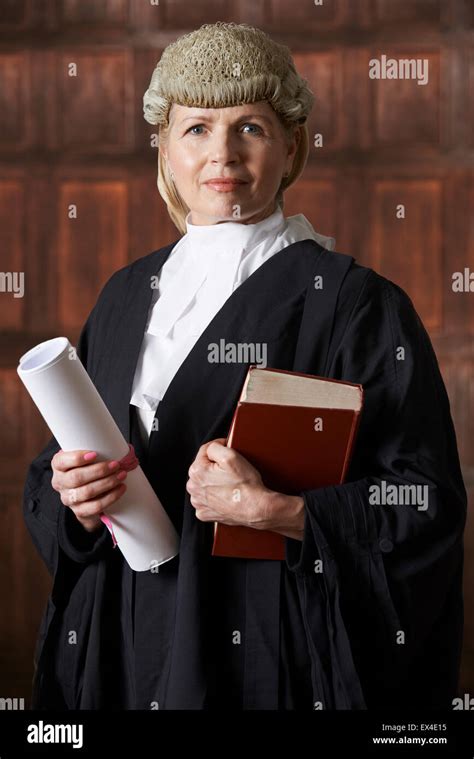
(90,455)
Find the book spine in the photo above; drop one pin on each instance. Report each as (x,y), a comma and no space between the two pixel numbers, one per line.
(350,445)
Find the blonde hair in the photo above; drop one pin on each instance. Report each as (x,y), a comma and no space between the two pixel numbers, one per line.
(220,65)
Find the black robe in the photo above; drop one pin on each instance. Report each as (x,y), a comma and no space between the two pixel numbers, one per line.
(380,626)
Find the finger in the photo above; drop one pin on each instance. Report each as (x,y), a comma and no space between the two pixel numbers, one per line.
(198,473)
(196,494)
(204,515)
(200,464)
(219,499)
(194,488)
(97,506)
(96,488)
(64,460)
(83,473)
(202,456)
(191,486)
(202,452)
(219,453)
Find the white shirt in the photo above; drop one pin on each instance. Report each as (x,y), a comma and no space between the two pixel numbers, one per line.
(204,268)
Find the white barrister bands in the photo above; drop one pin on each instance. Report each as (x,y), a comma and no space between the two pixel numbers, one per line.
(79,419)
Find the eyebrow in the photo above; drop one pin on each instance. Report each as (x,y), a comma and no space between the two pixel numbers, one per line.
(245,116)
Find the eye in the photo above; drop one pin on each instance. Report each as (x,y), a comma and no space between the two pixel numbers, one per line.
(255,126)
(197,126)
(248,124)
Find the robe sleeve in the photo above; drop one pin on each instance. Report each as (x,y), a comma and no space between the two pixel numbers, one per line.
(393,571)
(49,522)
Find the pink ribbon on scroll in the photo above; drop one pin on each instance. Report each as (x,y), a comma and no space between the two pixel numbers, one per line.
(127,463)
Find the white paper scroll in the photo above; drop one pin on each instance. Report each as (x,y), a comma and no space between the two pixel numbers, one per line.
(79,419)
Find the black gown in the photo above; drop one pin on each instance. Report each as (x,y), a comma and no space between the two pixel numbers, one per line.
(257,652)
(380,626)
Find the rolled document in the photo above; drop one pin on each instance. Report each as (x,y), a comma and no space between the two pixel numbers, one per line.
(79,419)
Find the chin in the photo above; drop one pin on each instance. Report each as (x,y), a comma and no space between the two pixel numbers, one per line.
(219,212)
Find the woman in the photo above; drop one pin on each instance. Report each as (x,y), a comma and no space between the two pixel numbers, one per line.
(381,624)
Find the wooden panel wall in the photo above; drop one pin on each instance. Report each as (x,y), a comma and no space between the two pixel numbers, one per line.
(78,197)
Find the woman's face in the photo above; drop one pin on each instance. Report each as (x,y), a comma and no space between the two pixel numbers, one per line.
(244,142)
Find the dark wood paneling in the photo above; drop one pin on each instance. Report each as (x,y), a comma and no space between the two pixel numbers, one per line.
(311,16)
(95,106)
(317,200)
(150,224)
(458,215)
(323,71)
(12,428)
(12,245)
(469,100)
(106,12)
(180,14)
(409,250)
(15,14)
(403,110)
(422,11)
(92,246)
(15,107)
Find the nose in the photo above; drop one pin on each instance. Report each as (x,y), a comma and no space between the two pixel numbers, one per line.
(223,147)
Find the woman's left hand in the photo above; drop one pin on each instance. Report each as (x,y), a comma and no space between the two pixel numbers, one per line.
(225,487)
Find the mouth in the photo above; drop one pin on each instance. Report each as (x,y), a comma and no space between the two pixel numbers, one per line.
(224,185)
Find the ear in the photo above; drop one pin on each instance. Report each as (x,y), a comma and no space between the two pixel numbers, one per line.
(296,139)
(293,147)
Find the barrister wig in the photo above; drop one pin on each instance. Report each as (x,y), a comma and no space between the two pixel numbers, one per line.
(221,65)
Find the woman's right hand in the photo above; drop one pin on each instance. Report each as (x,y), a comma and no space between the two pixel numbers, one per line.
(87,488)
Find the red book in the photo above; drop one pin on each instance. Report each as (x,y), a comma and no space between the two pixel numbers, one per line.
(298,430)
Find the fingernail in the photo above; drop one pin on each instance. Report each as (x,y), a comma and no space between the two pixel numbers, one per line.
(90,455)
(121,475)
(113,464)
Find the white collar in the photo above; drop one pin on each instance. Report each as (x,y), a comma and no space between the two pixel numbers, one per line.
(216,251)
(234,234)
